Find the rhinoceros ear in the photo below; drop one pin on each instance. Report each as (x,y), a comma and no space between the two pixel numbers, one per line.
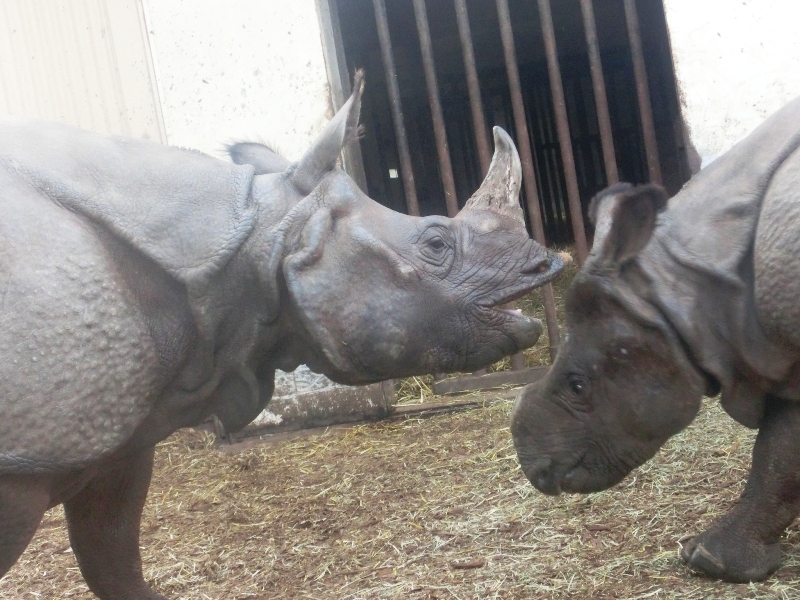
(263,158)
(499,192)
(625,217)
(323,154)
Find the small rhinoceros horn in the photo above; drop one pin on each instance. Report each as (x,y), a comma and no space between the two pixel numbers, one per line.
(323,154)
(499,192)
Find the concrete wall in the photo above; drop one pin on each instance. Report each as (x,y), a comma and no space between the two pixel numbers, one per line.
(736,62)
(239,69)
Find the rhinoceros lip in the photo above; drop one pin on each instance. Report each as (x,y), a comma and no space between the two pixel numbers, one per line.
(535,276)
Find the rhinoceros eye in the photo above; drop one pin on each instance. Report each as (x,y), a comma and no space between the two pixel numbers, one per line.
(578,385)
(435,246)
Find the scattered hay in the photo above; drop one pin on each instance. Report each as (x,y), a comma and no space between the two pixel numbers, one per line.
(420,510)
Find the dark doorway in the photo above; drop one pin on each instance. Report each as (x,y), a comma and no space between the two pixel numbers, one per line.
(361,49)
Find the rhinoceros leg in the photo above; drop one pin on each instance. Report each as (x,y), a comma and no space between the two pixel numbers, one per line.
(23,501)
(744,545)
(103,520)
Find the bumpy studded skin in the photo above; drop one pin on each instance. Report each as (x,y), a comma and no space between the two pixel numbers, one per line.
(144,288)
(698,295)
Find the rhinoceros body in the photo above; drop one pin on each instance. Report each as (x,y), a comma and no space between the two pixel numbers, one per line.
(680,299)
(144,288)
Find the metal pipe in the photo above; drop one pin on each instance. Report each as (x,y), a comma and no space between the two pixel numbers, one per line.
(406,171)
(478,119)
(526,158)
(475,102)
(643,92)
(439,131)
(600,99)
(562,126)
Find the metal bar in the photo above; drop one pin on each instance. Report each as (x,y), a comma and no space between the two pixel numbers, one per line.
(562,126)
(528,175)
(443,151)
(478,122)
(339,78)
(406,171)
(600,99)
(473,85)
(643,92)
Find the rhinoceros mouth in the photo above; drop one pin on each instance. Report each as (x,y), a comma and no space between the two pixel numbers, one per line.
(532,276)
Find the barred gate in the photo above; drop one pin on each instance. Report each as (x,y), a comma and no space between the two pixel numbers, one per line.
(586,89)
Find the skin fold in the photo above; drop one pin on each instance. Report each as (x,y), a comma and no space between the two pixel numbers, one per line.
(681,299)
(144,289)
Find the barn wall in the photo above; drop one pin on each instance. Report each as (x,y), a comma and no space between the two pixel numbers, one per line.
(736,62)
(239,69)
(82,62)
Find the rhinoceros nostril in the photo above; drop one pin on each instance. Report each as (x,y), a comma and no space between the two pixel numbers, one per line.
(542,476)
(542,268)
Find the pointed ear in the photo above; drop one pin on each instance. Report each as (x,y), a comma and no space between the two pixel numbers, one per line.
(264,159)
(624,218)
(323,154)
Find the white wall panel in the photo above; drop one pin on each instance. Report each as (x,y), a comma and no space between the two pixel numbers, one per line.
(84,62)
(736,62)
(239,69)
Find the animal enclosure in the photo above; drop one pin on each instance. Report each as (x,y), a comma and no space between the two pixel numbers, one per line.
(420,509)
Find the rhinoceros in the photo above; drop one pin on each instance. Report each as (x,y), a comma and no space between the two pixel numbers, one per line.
(678,300)
(144,288)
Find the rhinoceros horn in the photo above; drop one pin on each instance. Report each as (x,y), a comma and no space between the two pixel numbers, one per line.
(499,192)
(323,154)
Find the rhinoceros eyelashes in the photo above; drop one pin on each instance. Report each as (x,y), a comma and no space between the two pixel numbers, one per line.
(323,154)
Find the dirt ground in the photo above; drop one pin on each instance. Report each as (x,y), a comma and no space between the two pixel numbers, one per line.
(397,509)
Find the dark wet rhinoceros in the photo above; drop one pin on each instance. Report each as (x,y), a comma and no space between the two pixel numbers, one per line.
(144,288)
(678,300)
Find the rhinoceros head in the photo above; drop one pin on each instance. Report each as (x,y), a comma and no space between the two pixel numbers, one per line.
(622,382)
(378,294)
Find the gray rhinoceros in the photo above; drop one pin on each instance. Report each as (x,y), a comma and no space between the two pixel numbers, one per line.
(678,300)
(144,288)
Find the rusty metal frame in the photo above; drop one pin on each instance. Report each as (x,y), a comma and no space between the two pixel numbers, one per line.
(339,81)
(526,158)
(600,98)
(562,127)
(478,121)
(439,130)
(406,170)
(473,85)
(643,92)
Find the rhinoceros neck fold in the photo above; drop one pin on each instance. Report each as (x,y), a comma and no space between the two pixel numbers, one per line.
(700,263)
(711,307)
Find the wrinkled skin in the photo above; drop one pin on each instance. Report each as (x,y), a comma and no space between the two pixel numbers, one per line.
(677,301)
(145,288)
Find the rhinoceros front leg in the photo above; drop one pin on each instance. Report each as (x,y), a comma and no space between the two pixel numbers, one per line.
(103,520)
(23,501)
(744,545)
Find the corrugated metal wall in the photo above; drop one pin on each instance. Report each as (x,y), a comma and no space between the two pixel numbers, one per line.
(83,62)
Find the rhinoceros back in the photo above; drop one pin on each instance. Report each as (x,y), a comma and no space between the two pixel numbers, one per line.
(186,210)
(80,368)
